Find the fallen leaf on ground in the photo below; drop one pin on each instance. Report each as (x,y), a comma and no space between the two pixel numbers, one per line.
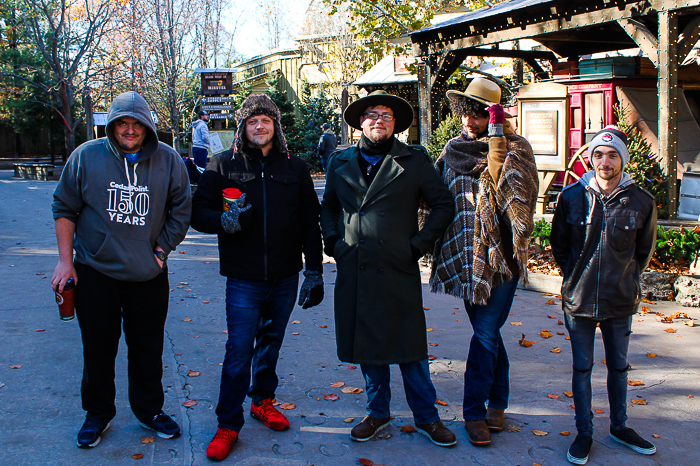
(599,411)
(645,300)
(516,323)
(559,322)
(409,428)
(433,344)
(565,433)
(324,326)
(349,389)
(690,323)
(288,406)
(41,330)
(205,301)
(365,462)
(440,402)
(560,333)
(550,302)
(524,342)
(431,357)
(634,383)
(553,397)
(690,396)
(16,366)
(148,439)
(352,367)
(184,283)
(556,349)
(551,317)
(349,420)
(182,252)
(569,394)
(426,308)
(337,384)
(295,333)
(187,319)
(513,428)
(189,403)
(137,456)
(429,329)
(651,355)
(670,330)
(296,321)
(539,433)
(192,373)
(639,402)
(567,338)
(331,397)
(656,435)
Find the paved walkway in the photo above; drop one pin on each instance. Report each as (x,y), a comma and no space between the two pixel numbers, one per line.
(41,365)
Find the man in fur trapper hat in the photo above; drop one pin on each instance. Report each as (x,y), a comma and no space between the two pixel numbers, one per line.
(603,237)
(492,175)
(369,218)
(260,201)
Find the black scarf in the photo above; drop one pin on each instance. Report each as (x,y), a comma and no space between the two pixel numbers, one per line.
(373,148)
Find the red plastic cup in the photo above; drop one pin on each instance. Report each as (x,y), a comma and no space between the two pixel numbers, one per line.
(230,196)
(66,301)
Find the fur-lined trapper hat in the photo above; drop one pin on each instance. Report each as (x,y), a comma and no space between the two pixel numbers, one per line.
(259,104)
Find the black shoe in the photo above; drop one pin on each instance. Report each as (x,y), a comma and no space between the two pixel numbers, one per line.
(437,433)
(163,424)
(368,428)
(630,438)
(89,434)
(578,451)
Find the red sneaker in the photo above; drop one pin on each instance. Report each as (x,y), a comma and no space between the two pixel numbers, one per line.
(269,415)
(221,444)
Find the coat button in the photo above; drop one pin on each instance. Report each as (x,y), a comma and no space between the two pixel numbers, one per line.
(362,213)
(381,242)
(381,213)
(362,267)
(362,241)
(380,271)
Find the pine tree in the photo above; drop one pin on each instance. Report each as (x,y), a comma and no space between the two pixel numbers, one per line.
(643,167)
(312,113)
(448,129)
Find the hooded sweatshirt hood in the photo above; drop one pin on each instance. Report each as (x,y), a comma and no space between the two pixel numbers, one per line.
(131,104)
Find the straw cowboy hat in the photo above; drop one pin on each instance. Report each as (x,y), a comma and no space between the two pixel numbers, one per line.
(481,90)
(403,111)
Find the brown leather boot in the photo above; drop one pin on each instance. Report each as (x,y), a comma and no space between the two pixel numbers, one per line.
(494,419)
(479,434)
(437,433)
(368,428)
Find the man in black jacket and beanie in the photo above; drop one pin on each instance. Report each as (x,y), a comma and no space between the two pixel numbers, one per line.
(603,237)
(262,236)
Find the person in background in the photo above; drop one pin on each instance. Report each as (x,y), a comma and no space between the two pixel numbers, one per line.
(326,144)
(200,139)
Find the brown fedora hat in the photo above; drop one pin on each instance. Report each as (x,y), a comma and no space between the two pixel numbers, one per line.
(481,90)
(403,111)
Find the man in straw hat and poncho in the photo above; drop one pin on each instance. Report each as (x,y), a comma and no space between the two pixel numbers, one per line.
(491,173)
(369,218)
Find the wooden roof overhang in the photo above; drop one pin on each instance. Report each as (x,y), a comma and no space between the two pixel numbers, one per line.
(665,30)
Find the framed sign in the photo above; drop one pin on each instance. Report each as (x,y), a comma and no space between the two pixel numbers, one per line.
(217,83)
(543,124)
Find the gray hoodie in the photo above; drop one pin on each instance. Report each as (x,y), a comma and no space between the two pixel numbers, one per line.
(200,134)
(123,210)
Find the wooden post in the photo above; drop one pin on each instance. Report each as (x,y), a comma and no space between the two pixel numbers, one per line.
(668,103)
(424,103)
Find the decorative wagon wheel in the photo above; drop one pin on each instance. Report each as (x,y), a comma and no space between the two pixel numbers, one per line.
(570,175)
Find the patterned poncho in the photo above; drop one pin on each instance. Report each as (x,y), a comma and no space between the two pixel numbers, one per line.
(469,260)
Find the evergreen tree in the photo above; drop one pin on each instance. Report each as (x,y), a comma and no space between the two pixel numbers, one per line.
(312,113)
(448,129)
(279,97)
(643,167)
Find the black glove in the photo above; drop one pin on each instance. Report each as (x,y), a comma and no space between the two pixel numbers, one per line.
(234,219)
(329,245)
(311,293)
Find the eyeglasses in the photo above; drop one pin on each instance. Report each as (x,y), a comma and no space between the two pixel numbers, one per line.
(123,124)
(383,116)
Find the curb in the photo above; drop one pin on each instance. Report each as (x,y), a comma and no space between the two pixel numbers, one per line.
(542,283)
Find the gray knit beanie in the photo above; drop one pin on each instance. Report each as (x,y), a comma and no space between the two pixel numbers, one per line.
(613,137)
(259,104)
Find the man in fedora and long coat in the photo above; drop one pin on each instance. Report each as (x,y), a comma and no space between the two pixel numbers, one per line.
(369,219)
(492,175)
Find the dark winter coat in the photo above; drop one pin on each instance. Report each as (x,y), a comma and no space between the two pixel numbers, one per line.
(602,246)
(378,295)
(283,220)
(327,143)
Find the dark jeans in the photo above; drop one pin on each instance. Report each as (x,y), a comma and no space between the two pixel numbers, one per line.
(420,391)
(486,376)
(616,339)
(257,313)
(325,157)
(200,156)
(103,305)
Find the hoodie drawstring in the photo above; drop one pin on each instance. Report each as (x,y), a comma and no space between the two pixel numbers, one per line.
(128,178)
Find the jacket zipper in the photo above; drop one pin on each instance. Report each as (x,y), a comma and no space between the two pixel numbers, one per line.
(600,254)
(262,170)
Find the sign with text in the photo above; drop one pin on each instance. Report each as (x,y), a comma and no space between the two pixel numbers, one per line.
(217,99)
(543,124)
(215,83)
(221,116)
(218,108)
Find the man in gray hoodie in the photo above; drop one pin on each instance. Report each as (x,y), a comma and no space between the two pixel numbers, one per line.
(123,204)
(200,139)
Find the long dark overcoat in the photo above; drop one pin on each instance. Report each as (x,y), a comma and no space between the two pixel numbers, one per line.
(379,317)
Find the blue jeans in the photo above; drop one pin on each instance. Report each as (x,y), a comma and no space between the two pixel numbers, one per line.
(420,391)
(616,339)
(200,156)
(257,313)
(486,376)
